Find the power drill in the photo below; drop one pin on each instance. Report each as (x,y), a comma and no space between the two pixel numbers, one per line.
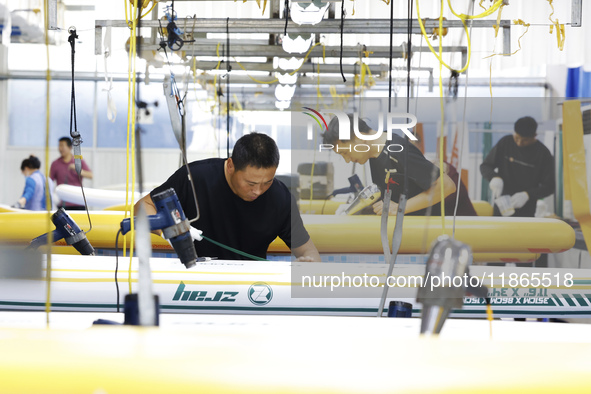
(175,227)
(65,227)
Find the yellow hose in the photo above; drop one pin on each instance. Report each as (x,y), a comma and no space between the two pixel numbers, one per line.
(488,12)
(131,133)
(422,26)
(47,194)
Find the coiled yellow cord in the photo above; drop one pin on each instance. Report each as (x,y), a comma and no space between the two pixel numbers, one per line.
(133,9)
(441,136)
(439,57)
(131,136)
(560,32)
(489,317)
(488,12)
(47,194)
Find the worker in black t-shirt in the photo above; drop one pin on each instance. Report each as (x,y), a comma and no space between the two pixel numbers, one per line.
(388,156)
(241,205)
(520,166)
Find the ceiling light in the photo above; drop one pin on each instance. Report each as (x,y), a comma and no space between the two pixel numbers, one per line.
(307,13)
(290,64)
(282,104)
(286,78)
(284,92)
(297,43)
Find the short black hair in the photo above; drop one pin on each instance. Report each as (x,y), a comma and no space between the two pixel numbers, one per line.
(31,162)
(256,150)
(68,141)
(331,136)
(526,126)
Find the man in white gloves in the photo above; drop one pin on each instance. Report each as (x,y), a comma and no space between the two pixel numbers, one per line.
(520,166)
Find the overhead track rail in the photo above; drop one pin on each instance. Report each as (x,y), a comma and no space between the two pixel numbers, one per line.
(277,26)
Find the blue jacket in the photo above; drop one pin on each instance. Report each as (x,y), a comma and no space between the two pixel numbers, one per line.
(34,191)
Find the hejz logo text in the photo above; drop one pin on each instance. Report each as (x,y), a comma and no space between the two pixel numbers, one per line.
(201,295)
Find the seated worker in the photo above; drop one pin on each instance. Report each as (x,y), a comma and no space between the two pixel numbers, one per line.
(423,176)
(33,197)
(241,205)
(520,166)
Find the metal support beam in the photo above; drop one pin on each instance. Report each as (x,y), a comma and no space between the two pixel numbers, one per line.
(376,69)
(507,40)
(576,18)
(209,50)
(260,25)
(327,26)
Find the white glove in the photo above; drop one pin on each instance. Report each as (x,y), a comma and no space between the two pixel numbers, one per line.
(196,234)
(519,199)
(496,187)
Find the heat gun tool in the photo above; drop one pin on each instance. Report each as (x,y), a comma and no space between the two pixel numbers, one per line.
(66,228)
(175,227)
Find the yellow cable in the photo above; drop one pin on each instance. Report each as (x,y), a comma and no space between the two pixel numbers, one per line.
(490,64)
(308,54)
(253,78)
(215,77)
(488,12)
(517,22)
(133,143)
(559,28)
(133,9)
(151,8)
(131,130)
(422,26)
(498,25)
(47,199)
(126,16)
(442,202)
(481,6)
(489,317)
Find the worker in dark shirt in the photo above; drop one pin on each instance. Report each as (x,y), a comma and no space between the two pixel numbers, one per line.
(520,166)
(465,207)
(241,205)
(388,157)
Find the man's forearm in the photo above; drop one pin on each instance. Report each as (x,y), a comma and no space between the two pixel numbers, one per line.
(307,252)
(431,196)
(148,205)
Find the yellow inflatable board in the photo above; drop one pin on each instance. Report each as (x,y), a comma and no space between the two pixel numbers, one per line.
(319,207)
(271,356)
(575,171)
(21,227)
(329,207)
(361,234)
(340,234)
(482,208)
